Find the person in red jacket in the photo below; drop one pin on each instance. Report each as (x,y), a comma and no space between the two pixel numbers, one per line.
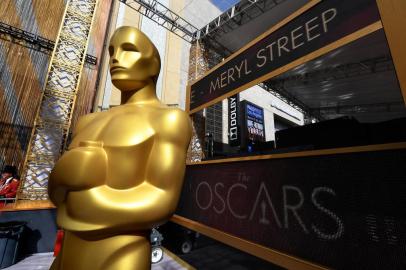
(9,182)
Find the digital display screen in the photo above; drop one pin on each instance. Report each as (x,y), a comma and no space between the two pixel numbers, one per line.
(255,131)
(255,122)
(255,113)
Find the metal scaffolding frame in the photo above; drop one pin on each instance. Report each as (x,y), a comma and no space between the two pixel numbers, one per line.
(234,17)
(281,93)
(239,14)
(350,70)
(363,108)
(366,67)
(163,16)
(32,41)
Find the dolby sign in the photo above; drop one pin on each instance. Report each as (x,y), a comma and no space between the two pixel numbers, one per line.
(233,120)
(323,24)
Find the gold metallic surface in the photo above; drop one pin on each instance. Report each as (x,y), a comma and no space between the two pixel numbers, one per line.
(124,169)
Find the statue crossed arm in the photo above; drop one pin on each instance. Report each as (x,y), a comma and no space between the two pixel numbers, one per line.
(142,206)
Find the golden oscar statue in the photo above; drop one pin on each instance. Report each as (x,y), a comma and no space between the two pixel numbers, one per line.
(123,172)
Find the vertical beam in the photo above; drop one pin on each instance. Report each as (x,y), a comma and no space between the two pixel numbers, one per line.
(53,119)
(393,16)
(196,60)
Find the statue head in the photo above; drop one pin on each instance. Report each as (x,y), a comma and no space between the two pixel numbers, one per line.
(134,60)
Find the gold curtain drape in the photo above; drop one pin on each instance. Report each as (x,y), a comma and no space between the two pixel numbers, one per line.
(23,71)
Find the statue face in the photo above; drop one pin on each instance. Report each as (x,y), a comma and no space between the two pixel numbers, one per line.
(134,60)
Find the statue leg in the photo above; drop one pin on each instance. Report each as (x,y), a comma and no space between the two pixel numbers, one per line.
(134,256)
(120,252)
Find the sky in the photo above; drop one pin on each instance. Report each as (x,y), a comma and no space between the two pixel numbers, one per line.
(223,5)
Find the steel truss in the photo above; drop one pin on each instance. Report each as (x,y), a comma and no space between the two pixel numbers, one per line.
(281,93)
(32,41)
(234,17)
(239,14)
(163,16)
(350,70)
(363,108)
(366,67)
(52,123)
(171,21)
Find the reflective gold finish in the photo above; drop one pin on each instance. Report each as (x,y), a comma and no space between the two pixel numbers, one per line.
(124,169)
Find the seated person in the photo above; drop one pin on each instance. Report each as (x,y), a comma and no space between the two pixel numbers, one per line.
(8,182)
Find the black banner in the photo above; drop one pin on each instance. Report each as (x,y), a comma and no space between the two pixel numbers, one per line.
(318,27)
(234,132)
(344,211)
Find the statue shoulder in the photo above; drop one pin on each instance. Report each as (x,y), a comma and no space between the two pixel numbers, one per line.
(176,125)
(85,120)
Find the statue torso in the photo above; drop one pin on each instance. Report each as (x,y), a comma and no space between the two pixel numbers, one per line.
(141,148)
(128,134)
